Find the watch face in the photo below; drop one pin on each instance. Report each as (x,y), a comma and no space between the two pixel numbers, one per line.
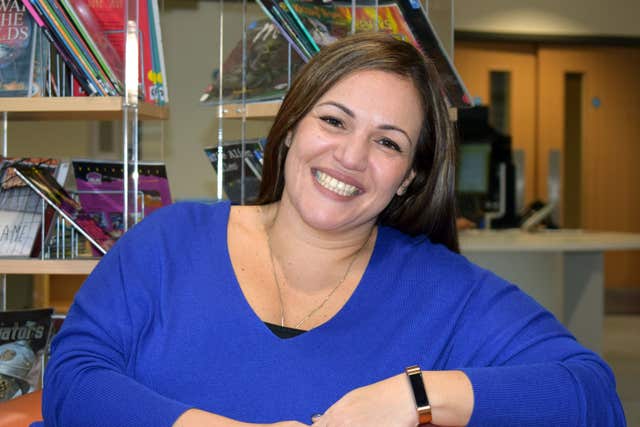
(419,391)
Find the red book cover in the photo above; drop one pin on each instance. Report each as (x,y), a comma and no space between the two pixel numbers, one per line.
(109,15)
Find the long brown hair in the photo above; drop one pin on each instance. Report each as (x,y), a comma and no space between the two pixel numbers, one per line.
(428,205)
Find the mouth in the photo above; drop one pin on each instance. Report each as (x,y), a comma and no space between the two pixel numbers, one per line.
(335,185)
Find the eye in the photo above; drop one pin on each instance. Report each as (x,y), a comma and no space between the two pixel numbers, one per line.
(386,142)
(332,121)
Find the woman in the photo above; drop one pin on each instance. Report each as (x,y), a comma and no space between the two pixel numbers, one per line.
(350,252)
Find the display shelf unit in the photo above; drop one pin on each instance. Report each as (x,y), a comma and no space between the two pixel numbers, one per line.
(75,108)
(47,266)
(256,111)
(127,108)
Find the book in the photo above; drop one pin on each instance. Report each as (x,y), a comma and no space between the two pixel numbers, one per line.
(21,211)
(404,19)
(160,92)
(88,26)
(100,188)
(24,342)
(18,42)
(110,15)
(267,68)
(49,190)
(233,165)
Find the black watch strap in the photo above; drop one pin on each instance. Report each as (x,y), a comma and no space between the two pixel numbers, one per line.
(414,373)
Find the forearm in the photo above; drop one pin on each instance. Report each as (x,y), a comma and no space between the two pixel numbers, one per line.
(199,418)
(390,402)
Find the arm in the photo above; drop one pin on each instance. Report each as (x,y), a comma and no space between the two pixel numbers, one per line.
(99,373)
(509,362)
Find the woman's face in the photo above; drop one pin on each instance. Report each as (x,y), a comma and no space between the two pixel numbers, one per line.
(353,151)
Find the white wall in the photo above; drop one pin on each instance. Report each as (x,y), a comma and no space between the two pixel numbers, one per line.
(552,17)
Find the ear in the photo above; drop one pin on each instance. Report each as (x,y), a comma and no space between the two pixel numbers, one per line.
(288,139)
(405,183)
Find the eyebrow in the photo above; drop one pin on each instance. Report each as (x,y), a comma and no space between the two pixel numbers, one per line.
(351,114)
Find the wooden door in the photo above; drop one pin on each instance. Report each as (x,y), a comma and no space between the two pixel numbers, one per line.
(610,149)
(608,189)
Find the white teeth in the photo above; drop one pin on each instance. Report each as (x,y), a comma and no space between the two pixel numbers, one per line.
(332,184)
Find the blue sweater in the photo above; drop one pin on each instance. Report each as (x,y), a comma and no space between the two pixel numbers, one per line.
(161,326)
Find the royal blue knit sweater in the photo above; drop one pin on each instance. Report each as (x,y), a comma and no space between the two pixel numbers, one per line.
(161,326)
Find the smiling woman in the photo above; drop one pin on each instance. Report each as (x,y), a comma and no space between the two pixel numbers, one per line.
(338,299)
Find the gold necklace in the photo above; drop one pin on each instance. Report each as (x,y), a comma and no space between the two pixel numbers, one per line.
(335,288)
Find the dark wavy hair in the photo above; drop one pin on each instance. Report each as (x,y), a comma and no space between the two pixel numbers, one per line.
(428,205)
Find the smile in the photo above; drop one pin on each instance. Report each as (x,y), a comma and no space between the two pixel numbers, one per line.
(334,185)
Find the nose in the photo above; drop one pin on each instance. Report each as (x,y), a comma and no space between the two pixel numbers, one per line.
(353,152)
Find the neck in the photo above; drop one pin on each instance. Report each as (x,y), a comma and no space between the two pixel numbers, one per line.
(288,231)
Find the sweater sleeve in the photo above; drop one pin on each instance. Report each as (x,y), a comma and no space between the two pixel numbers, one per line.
(526,369)
(90,379)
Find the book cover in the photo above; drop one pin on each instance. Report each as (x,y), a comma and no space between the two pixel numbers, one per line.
(49,190)
(20,208)
(160,92)
(17,50)
(24,341)
(405,19)
(100,189)
(110,17)
(88,26)
(233,165)
(68,49)
(267,67)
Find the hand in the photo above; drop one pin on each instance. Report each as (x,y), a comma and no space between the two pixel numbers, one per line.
(388,403)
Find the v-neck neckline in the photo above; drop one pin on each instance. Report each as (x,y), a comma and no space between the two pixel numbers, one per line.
(255,321)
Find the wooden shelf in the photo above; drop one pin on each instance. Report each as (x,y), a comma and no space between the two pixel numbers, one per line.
(255,110)
(49,266)
(76,108)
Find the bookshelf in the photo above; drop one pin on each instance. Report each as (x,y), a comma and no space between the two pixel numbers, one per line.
(129,108)
(76,108)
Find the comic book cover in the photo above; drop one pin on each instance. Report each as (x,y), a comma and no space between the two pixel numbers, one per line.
(100,187)
(233,164)
(267,70)
(21,208)
(24,341)
(17,50)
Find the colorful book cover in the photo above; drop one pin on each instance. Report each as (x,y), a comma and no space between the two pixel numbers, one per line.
(267,67)
(17,50)
(20,208)
(49,190)
(67,46)
(88,26)
(404,19)
(100,189)
(160,91)
(233,165)
(24,342)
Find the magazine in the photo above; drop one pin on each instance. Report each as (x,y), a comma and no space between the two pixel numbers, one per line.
(24,341)
(267,70)
(49,190)
(21,209)
(100,190)
(232,166)
(18,41)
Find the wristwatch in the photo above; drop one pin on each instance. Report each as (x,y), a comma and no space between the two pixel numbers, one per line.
(419,394)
